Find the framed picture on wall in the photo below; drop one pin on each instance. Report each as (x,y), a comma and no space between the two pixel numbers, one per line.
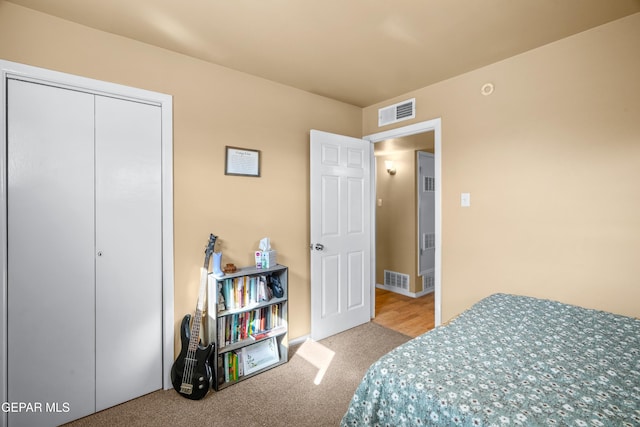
(241,161)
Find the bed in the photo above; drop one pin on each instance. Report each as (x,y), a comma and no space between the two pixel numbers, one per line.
(509,360)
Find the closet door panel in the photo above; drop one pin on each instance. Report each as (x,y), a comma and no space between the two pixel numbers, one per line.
(129,239)
(50,192)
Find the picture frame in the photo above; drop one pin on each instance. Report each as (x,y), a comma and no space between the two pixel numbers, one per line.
(241,161)
(260,355)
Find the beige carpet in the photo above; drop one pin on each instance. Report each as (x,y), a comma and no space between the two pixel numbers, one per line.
(313,389)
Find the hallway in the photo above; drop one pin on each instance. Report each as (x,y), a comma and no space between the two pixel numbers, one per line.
(409,316)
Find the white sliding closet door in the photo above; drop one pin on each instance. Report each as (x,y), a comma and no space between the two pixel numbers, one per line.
(128,237)
(51,293)
(84,197)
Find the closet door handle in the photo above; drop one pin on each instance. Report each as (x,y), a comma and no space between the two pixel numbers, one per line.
(319,247)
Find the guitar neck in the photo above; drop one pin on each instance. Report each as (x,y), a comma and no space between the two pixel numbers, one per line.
(194,340)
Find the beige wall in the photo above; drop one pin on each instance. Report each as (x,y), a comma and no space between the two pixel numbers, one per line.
(552,162)
(213,107)
(395,219)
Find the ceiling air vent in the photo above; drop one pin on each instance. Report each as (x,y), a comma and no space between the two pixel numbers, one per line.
(404,110)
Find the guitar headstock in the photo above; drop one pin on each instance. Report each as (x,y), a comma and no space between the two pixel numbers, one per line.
(210,245)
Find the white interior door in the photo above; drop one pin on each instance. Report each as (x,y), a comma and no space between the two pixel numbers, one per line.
(84,263)
(340,217)
(426,214)
(129,245)
(50,214)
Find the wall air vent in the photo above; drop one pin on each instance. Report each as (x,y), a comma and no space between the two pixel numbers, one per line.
(428,241)
(396,280)
(395,113)
(428,184)
(428,281)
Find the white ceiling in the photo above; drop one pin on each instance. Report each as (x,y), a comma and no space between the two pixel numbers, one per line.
(357,51)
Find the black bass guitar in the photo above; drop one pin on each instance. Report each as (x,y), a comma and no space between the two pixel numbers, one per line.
(191,373)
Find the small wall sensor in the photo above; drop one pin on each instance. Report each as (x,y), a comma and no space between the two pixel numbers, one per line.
(486,89)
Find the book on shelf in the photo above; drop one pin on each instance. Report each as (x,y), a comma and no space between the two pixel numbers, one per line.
(244,291)
(233,365)
(237,327)
(270,333)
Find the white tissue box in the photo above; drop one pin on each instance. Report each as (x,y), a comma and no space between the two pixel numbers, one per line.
(268,259)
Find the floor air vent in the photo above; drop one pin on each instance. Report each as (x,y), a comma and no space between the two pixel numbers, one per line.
(404,110)
(396,280)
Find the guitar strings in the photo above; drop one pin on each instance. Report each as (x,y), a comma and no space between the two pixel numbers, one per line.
(194,339)
(187,376)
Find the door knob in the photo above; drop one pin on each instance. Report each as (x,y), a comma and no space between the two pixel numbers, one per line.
(319,247)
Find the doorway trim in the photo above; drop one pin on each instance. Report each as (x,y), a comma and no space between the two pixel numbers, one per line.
(165,102)
(435,126)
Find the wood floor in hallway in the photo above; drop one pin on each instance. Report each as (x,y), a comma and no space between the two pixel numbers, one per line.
(410,316)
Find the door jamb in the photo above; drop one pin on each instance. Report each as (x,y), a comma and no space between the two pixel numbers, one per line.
(165,102)
(435,126)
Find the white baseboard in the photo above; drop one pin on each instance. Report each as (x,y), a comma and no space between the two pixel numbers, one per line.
(299,340)
(402,291)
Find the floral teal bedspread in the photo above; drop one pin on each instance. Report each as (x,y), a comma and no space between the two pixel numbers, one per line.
(509,360)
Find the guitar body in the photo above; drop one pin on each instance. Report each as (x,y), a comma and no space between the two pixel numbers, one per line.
(201,376)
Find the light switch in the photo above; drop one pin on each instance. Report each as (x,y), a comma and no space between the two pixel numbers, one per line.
(465,200)
(379,202)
